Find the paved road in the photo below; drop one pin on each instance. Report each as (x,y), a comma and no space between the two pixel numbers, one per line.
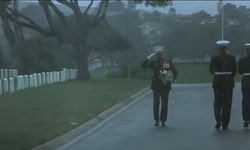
(190,125)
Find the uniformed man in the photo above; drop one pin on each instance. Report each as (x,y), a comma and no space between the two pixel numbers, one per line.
(244,70)
(223,67)
(164,74)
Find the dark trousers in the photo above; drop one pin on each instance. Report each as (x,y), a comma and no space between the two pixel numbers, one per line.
(222,105)
(160,97)
(246,103)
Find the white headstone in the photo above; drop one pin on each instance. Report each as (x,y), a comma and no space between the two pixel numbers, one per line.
(58,76)
(76,73)
(61,76)
(5,85)
(31,78)
(71,74)
(12,89)
(48,78)
(2,74)
(1,87)
(10,73)
(19,84)
(39,79)
(15,74)
(54,76)
(35,79)
(26,81)
(43,78)
(67,74)
(22,82)
(51,77)
(6,73)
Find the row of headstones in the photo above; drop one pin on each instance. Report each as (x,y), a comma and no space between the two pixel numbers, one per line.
(8,73)
(35,80)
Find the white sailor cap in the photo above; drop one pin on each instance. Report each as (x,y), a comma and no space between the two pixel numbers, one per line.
(158,49)
(222,43)
(247,45)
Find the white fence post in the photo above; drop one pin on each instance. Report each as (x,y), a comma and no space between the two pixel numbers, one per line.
(12,89)
(5,85)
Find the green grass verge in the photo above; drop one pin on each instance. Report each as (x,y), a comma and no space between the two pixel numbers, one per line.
(33,116)
(187,73)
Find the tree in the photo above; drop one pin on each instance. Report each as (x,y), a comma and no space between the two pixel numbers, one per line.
(131,5)
(172,11)
(77,37)
(14,35)
(117,6)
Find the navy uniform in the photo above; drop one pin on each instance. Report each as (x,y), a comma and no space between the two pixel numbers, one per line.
(223,67)
(160,87)
(244,70)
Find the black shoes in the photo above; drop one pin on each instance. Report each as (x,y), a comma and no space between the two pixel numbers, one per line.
(163,124)
(224,127)
(246,124)
(157,123)
(217,126)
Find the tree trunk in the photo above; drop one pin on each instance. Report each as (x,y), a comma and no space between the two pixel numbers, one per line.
(82,62)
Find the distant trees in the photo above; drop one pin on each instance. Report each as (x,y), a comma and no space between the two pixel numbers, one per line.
(195,35)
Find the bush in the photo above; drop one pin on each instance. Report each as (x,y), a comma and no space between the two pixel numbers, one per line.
(42,54)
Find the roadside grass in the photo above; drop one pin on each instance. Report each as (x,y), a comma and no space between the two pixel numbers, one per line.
(36,115)
(187,73)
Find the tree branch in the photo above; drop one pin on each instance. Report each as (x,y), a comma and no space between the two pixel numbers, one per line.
(48,14)
(59,14)
(32,25)
(89,6)
(102,10)
(74,7)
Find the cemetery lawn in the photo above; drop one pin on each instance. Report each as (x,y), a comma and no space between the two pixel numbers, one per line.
(34,116)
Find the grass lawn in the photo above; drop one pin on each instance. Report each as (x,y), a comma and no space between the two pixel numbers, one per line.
(33,116)
(187,73)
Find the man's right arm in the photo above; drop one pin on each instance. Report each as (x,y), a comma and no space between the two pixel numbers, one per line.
(147,64)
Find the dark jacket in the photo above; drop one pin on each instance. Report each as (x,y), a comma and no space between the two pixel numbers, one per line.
(223,63)
(156,66)
(244,67)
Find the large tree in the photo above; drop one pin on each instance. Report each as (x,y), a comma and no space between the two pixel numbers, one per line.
(76,37)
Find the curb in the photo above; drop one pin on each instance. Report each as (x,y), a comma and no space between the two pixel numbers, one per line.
(92,125)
